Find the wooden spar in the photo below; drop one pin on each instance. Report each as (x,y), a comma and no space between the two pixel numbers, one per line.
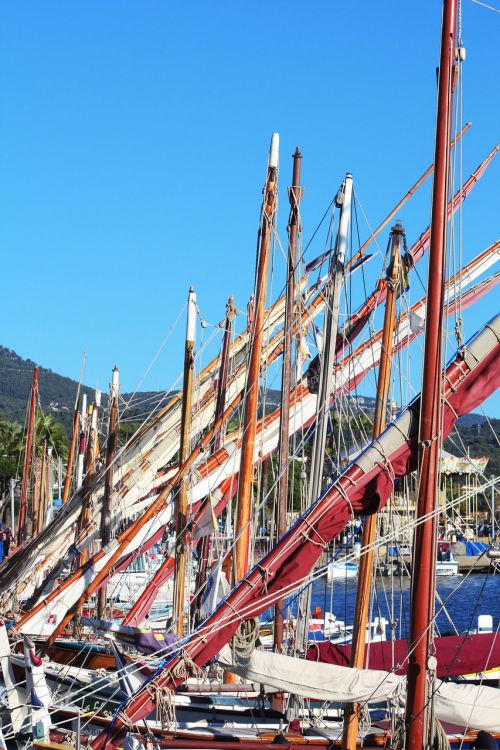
(242,532)
(332,301)
(294,195)
(71,457)
(35,493)
(181,549)
(224,370)
(111,444)
(49,501)
(418,728)
(403,200)
(330,329)
(90,471)
(74,439)
(204,546)
(349,738)
(39,504)
(81,443)
(27,459)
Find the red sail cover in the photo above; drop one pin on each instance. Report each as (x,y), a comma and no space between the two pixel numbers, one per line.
(456,654)
(363,488)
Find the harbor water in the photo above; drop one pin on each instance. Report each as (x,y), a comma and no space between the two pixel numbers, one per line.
(460,600)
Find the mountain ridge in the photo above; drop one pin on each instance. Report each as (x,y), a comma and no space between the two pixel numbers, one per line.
(58,392)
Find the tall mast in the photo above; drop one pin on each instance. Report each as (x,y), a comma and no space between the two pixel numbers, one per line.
(252,385)
(27,459)
(224,371)
(204,545)
(74,439)
(424,547)
(49,504)
(294,195)
(71,456)
(108,477)
(182,497)
(90,470)
(330,329)
(81,443)
(39,506)
(379,420)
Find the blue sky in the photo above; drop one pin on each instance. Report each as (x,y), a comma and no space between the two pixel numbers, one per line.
(134,141)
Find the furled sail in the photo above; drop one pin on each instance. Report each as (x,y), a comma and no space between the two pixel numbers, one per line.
(466,705)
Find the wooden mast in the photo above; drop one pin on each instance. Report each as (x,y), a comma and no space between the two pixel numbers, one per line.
(294,195)
(242,532)
(74,439)
(418,727)
(39,503)
(90,470)
(204,545)
(367,544)
(224,371)
(108,477)
(71,456)
(81,443)
(330,329)
(27,459)
(183,493)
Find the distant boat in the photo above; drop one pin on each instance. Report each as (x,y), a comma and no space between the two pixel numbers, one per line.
(340,569)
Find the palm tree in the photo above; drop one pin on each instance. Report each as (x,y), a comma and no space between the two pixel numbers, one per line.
(52,433)
(11,443)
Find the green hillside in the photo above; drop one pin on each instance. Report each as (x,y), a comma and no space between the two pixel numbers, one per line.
(57,393)
(57,396)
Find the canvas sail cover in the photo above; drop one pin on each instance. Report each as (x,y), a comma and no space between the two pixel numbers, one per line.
(456,654)
(471,706)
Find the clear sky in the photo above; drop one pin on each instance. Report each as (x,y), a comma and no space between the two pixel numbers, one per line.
(134,141)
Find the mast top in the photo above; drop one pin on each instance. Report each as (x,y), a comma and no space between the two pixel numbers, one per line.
(191,316)
(274,151)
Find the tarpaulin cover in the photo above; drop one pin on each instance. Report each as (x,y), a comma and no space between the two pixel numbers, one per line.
(455,654)
(475,548)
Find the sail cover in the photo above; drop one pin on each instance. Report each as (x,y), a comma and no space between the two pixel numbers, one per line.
(466,705)
(456,654)
(362,488)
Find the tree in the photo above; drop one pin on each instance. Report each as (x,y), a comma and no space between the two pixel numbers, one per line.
(52,433)
(11,441)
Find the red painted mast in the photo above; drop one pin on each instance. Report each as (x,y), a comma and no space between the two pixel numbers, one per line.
(27,459)
(418,729)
